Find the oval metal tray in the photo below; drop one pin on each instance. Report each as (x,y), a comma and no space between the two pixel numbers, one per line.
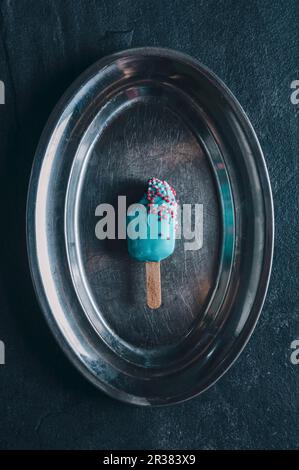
(141,113)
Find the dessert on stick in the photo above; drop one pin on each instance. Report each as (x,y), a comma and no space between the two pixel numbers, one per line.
(151,234)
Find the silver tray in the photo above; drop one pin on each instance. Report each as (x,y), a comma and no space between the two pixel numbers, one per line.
(141,113)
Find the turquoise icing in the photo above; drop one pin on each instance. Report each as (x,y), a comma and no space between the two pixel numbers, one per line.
(153,224)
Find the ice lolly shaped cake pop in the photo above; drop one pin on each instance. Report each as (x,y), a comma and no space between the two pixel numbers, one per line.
(156,233)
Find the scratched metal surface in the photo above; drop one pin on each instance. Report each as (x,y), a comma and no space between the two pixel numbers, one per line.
(148,139)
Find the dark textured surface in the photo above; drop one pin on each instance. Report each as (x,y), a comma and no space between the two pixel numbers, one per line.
(253,47)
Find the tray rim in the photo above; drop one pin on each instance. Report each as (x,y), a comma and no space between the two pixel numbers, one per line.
(30,219)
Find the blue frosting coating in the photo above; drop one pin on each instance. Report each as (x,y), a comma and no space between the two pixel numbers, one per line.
(151,223)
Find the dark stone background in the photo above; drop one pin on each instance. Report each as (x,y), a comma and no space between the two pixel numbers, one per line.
(253,46)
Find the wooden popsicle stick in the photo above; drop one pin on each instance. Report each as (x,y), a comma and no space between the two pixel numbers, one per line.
(153,284)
